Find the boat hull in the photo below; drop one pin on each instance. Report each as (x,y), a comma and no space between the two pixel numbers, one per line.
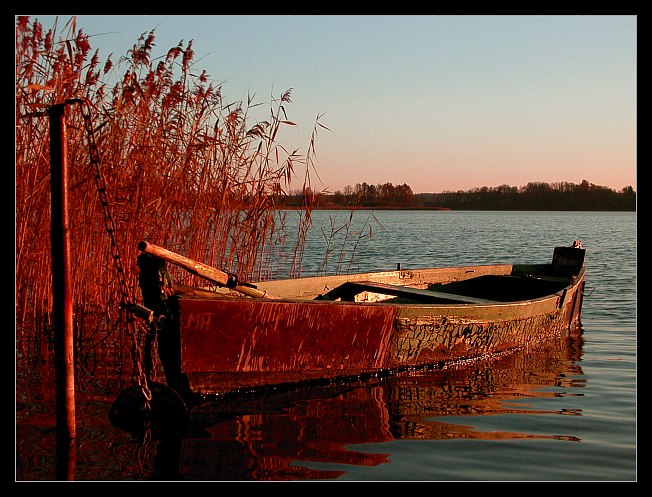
(234,344)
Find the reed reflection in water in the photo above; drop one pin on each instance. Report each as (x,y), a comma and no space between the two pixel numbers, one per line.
(295,435)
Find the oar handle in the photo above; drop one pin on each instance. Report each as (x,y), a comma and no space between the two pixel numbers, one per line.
(210,273)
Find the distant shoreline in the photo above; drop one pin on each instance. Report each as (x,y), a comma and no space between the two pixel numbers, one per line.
(362,208)
(420,208)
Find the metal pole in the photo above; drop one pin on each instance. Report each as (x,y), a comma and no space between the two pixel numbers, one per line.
(62,295)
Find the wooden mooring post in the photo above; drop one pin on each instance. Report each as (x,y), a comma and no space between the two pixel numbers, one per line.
(62,297)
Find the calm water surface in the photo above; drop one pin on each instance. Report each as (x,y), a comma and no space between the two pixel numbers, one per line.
(566,412)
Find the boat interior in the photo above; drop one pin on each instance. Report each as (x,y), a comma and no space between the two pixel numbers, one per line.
(525,282)
(500,284)
(485,289)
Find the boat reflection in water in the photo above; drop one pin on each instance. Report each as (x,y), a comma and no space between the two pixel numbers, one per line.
(279,436)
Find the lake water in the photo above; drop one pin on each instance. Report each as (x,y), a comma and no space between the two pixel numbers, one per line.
(565,412)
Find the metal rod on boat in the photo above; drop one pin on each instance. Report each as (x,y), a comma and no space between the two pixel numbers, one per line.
(62,295)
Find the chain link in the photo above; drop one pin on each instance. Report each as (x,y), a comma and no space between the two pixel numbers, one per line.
(128,302)
(109,223)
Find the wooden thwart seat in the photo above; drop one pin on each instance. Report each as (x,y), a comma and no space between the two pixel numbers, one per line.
(349,290)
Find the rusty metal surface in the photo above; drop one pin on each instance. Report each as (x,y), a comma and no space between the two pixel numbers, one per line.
(252,335)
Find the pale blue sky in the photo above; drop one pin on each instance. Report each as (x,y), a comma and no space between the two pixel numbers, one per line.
(437,102)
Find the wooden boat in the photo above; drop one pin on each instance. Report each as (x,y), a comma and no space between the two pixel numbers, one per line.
(274,334)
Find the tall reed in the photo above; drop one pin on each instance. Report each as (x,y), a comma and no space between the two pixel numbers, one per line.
(184,167)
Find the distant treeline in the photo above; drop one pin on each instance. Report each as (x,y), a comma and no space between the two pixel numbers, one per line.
(561,196)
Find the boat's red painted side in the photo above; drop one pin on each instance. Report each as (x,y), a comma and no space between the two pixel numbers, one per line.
(263,336)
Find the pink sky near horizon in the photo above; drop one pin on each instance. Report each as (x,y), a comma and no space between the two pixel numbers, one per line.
(441,103)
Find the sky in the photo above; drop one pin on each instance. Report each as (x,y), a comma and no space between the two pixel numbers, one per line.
(437,102)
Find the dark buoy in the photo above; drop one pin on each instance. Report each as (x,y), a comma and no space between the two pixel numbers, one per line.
(165,414)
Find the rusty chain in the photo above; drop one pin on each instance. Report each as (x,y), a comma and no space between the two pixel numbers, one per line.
(128,302)
(109,223)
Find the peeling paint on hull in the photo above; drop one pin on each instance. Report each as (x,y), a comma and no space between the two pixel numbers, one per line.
(264,336)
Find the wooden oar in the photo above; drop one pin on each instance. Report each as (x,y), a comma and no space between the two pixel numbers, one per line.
(210,273)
